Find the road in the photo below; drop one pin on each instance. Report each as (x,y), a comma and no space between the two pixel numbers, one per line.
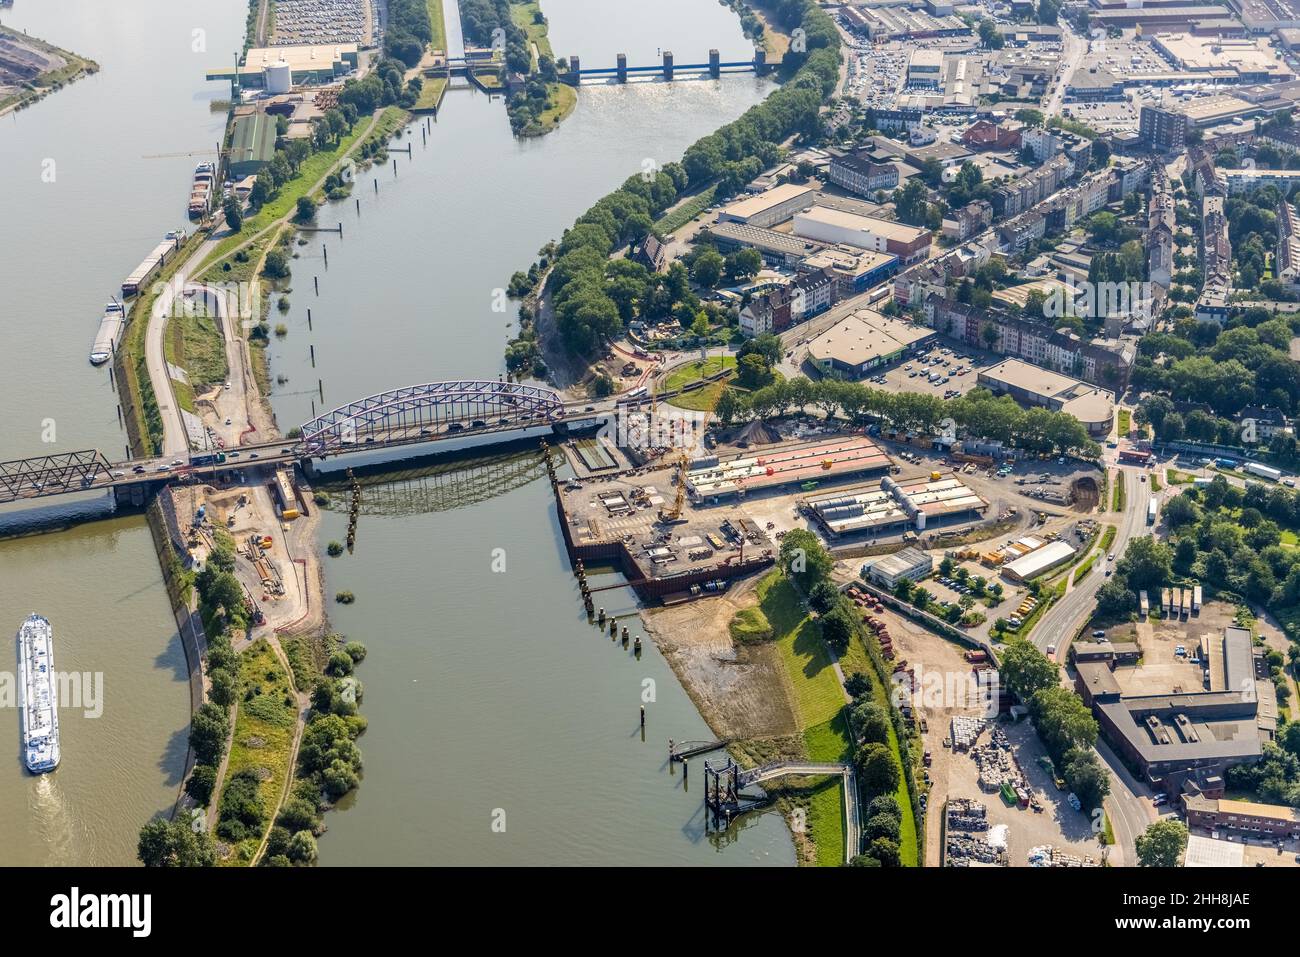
(1075,47)
(1062,621)
(1129,813)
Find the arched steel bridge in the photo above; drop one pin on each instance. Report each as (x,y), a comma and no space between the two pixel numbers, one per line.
(421,411)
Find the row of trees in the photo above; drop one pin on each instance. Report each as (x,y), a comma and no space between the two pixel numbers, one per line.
(1064,723)
(978,413)
(594,298)
(878,763)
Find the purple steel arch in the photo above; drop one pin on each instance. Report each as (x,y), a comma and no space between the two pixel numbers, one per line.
(404,414)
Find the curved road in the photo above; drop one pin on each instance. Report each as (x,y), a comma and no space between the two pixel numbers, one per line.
(1129,813)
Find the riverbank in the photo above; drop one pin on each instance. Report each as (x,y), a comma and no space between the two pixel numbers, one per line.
(63,67)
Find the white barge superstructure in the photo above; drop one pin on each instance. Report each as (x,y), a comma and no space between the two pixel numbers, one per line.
(39,705)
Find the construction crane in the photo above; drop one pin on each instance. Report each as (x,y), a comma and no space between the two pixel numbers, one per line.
(674,514)
(216,152)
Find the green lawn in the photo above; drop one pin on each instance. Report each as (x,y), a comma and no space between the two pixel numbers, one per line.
(1125,421)
(675,219)
(523,14)
(564,99)
(818,695)
(194,343)
(706,397)
(439,25)
(430,94)
(264,730)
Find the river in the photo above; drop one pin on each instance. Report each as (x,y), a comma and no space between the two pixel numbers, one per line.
(81,205)
(503,728)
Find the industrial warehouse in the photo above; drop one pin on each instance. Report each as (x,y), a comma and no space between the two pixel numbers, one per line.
(806,464)
(1183,735)
(895,506)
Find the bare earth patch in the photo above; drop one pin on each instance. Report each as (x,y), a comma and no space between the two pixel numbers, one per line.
(741,690)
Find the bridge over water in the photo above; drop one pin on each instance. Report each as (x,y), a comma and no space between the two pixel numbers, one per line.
(402,423)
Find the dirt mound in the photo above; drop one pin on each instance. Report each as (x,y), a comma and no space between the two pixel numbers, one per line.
(1085,493)
(758,433)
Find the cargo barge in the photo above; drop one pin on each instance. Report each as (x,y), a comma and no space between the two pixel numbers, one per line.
(109,334)
(152,263)
(40,713)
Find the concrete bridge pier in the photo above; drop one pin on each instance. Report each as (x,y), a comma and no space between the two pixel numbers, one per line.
(668,65)
(715,64)
(760,62)
(622,68)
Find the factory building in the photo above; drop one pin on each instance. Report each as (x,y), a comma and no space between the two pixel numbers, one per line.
(887,571)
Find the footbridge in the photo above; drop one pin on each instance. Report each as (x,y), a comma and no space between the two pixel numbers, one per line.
(724,800)
(411,422)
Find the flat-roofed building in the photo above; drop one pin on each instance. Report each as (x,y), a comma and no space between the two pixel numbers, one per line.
(776,247)
(786,464)
(909,243)
(1182,740)
(925,68)
(307,64)
(1247,818)
(855,270)
(863,341)
(1245,180)
(896,506)
(908,563)
(1243,59)
(767,209)
(1032,385)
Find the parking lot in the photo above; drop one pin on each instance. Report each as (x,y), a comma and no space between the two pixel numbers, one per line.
(942,370)
(324,22)
(1105,117)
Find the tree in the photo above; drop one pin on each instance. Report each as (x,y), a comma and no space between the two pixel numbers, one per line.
(1147,563)
(804,559)
(174,844)
(1026,670)
(837,628)
(234,213)
(208,730)
(1162,844)
(707,268)
(989,35)
(1103,227)
(870,723)
(202,782)
(1086,777)
(877,771)
(306,209)
(1063,721)
(753,371)
(823,596)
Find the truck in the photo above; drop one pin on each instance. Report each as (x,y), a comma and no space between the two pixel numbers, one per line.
(1196,599)
(1151,511)
(1263,471)
(1144,604)
(215,458)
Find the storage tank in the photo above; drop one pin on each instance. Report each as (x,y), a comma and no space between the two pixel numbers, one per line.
(277,77)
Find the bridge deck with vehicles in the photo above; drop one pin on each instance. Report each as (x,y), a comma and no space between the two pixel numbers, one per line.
(420,419)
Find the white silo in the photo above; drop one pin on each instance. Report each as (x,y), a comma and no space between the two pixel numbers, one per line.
(277,77)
